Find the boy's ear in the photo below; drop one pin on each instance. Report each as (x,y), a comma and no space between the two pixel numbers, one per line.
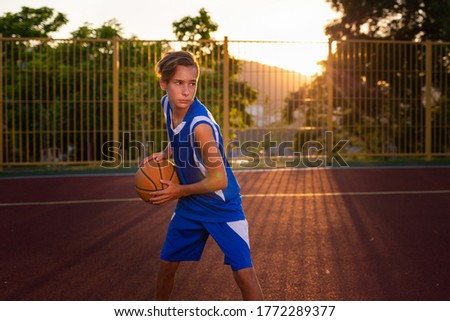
(162,84)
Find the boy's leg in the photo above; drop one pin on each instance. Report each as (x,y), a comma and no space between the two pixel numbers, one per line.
(248,284)
(233,239)
(165,279)
(185,241)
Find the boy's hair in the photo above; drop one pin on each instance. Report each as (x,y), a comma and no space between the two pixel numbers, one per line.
(167,66)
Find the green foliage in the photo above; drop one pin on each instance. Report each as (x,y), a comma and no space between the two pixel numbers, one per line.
(110,29)
(195,32)
(29,22)
(194,29)
(381,109)
(59,94)
(378,88)
(391,19)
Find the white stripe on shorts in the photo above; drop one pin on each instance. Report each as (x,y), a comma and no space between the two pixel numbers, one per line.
(241,229)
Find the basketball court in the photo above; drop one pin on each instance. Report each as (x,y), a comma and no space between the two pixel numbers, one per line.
(316,234)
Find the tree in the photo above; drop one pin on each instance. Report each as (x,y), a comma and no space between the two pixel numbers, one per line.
(378,87)
(72,106)
(137,107)
(391,19)
(23,61)
(193,30)
(29,22)
(196,32)
(108,30)
(59,93)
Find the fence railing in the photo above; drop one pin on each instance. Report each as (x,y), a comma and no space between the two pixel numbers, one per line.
(394,95)
(85,101)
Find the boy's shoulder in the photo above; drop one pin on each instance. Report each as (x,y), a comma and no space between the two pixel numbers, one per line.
(201,114)
(199,107)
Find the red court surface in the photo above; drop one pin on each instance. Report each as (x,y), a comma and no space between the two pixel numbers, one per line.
(316,234)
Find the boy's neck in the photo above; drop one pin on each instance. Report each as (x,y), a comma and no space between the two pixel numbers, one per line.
(178,115)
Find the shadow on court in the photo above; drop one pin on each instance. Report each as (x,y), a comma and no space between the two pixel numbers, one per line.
(324,234)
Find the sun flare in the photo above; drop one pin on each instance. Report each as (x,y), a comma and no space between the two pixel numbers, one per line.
(295,30)
(301,57)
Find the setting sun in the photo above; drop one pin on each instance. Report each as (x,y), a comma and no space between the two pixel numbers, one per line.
(302,57)
(288,34)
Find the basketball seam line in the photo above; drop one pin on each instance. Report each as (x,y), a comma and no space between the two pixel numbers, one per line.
(145,174)
(160,175)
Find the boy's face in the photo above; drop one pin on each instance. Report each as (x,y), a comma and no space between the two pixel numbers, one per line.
(181,88)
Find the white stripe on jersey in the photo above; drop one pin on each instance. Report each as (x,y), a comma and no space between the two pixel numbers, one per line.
(178,129)
(165,105)
(209,121)
(180,126)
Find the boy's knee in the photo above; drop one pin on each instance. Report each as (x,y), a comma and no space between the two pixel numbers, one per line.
(167,268)
(244,276)
(248,283)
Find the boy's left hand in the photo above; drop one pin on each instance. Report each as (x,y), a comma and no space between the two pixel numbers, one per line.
(172,192)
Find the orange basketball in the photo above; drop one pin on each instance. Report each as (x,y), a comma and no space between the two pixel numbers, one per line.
(147,178)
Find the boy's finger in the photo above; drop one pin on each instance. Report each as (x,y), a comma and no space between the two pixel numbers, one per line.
(166,182)
(159,200)
(145,161)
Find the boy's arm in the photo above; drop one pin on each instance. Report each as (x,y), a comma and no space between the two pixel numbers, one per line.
(216,178)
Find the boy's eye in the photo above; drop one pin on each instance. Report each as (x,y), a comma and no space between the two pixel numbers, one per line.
(180,83)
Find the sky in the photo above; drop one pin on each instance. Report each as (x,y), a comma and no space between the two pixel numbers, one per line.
(292,20)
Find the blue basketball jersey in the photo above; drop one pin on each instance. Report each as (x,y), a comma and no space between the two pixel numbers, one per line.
(218,206)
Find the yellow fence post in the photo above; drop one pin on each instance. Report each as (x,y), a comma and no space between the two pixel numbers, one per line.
(330,86)
(116,66)
(330,72)
(428,87)
(226,93)
(1,102)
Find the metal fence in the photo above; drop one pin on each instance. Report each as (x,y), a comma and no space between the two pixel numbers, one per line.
(393,95)
(85,101)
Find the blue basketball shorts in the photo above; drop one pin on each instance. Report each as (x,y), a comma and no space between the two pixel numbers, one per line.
(186,239)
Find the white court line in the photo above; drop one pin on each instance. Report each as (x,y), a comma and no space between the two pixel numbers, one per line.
(70,202)
(134,199)
(235,170)
(349,193)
